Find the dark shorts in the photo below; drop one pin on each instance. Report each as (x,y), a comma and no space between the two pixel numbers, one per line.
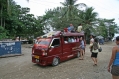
(115,70)
(94,55)
(82,48)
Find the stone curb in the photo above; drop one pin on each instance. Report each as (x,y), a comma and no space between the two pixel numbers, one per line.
(10,55)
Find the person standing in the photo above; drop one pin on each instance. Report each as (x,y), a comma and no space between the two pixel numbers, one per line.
(82,48)
(91,42)
(114,61)
(95,46)
(91,39)
(79,28)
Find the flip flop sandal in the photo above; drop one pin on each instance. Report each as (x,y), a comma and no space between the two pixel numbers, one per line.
(95,65)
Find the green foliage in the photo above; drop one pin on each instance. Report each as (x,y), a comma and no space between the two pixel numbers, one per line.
(16,20)
(107,27)
(2,33)
(60,18)
(19,22)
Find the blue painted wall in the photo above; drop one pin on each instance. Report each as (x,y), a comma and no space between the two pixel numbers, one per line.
(13,47)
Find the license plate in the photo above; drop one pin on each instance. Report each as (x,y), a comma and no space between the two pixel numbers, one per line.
(37,60)
(37,57)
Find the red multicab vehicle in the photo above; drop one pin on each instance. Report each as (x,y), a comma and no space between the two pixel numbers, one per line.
(56,47)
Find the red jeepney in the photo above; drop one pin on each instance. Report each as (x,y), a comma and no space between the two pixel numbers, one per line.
(56,47)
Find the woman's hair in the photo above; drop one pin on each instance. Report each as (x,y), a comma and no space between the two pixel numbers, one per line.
(96,40)
(92,36)
(81,37)
(80,24)
(117,38)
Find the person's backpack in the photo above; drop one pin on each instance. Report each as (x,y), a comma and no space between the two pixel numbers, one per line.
(95,46)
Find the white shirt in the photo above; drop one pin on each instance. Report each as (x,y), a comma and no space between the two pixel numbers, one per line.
(91,40)
(79,28)
(65,42)
(72,40)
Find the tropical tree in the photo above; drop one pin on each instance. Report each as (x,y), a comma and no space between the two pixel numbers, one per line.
(71,9)
(2,9)
(19,22)
(16,20)
(3,33)
(107,27)
(102,29)
(88,18)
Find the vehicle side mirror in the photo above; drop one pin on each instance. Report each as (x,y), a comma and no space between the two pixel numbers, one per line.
(52,47)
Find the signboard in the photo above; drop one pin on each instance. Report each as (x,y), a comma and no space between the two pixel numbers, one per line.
(7,48)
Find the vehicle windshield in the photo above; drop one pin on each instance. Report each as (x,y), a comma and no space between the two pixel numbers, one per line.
(44,42)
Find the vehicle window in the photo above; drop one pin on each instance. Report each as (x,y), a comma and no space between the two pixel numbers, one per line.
(65,40)
(44,42)
(70,39)
(56,42)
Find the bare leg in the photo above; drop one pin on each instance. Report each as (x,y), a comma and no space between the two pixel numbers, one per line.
(93,60)
(81,53)
(96,61)
(115,77)
(84,51)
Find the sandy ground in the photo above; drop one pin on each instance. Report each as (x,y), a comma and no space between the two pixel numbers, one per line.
(21,67)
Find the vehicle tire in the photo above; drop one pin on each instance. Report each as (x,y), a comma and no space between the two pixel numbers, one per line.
(78,54)
(55,61)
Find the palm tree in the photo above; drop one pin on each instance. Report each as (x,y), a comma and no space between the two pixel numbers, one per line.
(70,7)
(89,19)
(71,3)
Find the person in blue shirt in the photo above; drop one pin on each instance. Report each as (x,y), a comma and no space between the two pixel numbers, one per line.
(114,61)
(71,28)
(82,47)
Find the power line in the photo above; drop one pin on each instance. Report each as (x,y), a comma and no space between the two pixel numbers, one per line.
(105,4)
(87,0)
(46,1)
(42,4)
(103,7)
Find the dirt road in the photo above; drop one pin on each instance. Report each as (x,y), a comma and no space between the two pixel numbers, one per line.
(21,67)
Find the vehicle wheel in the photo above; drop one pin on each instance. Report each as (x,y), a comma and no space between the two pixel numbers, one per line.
(55,61)
(78,54)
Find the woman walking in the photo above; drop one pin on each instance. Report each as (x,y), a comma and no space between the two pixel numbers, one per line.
(95,46)
(114,61)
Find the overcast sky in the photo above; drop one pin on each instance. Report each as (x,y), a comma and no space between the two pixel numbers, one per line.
(105,8)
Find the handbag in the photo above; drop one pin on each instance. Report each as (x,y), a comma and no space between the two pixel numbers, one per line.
(100,49)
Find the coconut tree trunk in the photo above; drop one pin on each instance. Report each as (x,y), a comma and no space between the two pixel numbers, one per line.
(1,15)
(8,6)
(4,24)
